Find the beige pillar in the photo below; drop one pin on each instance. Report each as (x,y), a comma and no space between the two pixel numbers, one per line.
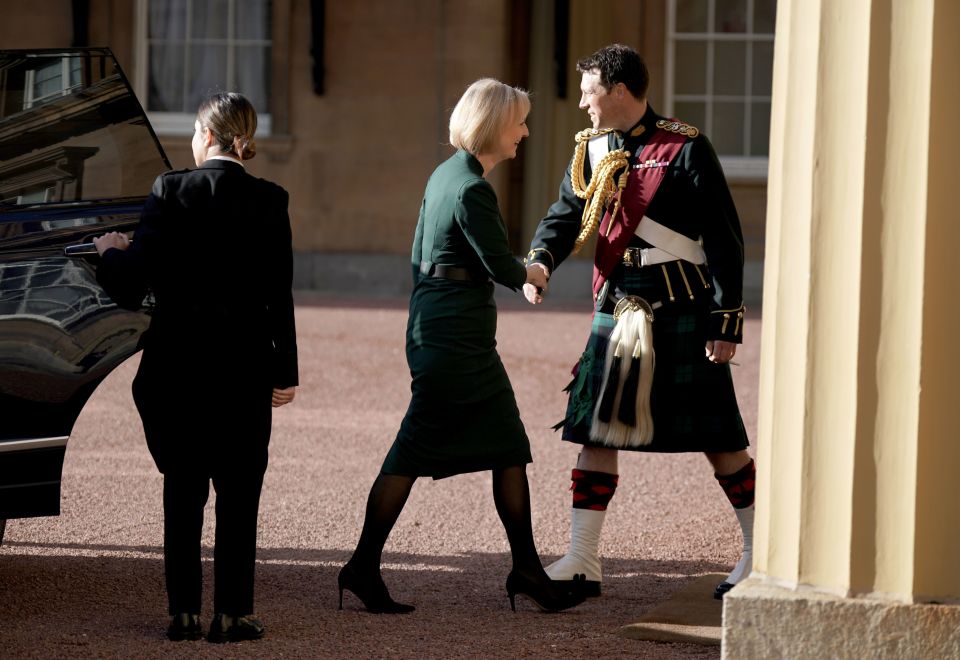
(858,511)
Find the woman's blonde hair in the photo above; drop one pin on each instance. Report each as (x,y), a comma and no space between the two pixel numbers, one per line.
(483,111)
(233,121)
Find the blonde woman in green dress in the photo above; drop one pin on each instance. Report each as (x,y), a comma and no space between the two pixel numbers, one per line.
(462,416)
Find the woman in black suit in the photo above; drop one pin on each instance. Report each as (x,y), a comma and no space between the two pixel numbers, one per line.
(220,350)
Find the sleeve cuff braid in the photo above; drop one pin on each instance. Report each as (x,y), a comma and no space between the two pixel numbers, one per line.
(727,324)
(539,255)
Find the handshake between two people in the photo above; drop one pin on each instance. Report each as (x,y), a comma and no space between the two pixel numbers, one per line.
(536,287)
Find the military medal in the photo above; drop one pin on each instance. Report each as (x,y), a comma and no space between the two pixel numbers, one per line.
(647,164)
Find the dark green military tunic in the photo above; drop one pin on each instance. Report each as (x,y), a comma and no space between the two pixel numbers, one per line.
(692,401)
(463,416)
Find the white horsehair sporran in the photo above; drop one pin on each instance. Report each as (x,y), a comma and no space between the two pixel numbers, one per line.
(622,415)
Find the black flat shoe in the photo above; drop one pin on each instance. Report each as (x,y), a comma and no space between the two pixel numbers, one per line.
(226,628)
(548,595)
(184,626)
(371,590)
(722,589)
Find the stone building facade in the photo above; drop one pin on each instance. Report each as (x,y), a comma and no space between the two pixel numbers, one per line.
(359,95)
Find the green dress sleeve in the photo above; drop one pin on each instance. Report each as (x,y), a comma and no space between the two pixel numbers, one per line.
(478,216)
(417,253)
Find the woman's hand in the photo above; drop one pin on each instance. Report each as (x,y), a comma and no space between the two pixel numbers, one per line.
(113,239)
(537,277)
(282,397)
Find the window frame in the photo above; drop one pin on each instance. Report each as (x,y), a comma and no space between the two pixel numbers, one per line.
(29,100)
(181,123)
(741,168)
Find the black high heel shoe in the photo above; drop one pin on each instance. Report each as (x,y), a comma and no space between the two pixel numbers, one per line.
(371,590)
(548,596)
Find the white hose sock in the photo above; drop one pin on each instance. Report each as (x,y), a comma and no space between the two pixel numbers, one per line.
(583,556)
(745,565)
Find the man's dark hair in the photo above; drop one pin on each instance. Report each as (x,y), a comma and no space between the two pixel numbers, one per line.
(618,64)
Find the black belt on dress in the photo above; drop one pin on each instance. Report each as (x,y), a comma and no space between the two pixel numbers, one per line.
(451,273)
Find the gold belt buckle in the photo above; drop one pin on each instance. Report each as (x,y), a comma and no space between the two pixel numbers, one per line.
(632,303)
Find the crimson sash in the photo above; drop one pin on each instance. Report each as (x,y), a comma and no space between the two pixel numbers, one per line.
(642,185)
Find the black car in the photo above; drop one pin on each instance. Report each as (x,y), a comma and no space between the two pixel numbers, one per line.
(77,158)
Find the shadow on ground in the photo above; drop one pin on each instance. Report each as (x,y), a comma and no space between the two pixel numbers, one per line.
(109,600)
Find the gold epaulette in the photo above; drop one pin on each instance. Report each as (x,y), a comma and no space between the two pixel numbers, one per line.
(588,134)
(678,127)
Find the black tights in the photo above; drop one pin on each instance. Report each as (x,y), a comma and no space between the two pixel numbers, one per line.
(387,496)
(511,495)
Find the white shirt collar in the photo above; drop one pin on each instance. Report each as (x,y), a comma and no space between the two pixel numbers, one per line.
(229,158)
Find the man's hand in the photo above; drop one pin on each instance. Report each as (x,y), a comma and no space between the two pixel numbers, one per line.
(283,396)
(112,240)
(721,352)
(536,287)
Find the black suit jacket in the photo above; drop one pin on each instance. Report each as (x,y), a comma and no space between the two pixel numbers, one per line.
(214,246)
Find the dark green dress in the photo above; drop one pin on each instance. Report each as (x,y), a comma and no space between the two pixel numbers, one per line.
(463,416)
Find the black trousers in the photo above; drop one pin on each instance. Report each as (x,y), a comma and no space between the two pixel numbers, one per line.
(185,494)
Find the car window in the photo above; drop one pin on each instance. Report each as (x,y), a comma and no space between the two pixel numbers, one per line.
(72,130)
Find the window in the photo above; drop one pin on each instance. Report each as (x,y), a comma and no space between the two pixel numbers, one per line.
(52,80)
(719,73)
(36,196)
(71,131)
(189,49)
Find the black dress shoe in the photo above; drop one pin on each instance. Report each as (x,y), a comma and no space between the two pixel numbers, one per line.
(547,594)
(227,628)
(589,588)
(722,589)
(184,626)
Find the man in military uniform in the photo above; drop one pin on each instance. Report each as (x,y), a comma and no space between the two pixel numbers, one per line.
(667,285)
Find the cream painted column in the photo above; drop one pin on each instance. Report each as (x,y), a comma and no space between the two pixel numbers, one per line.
(858,511)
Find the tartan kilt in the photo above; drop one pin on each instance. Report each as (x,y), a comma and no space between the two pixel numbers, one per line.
(692,401)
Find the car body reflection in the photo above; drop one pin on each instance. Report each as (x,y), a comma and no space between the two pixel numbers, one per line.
(77,159)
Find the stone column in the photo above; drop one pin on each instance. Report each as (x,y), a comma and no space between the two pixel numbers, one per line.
(858,511)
